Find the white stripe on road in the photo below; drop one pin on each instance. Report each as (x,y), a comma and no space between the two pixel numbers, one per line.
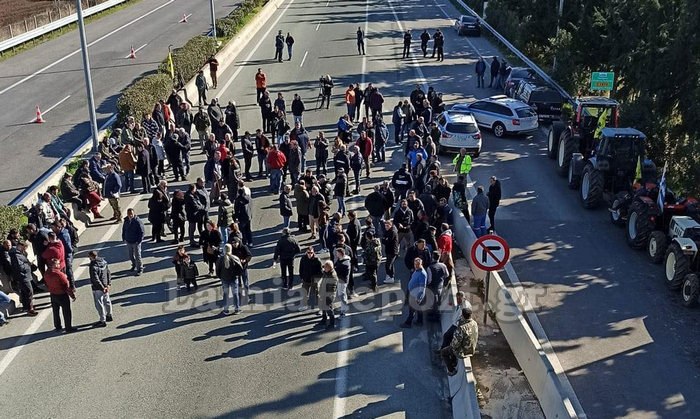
(185,18)
(318,25)
(137,50)
(34,74)
(304,59)
(49,109)
(328,3)
(44,314)
(252,52)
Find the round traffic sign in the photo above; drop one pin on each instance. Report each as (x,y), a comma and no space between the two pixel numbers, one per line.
(490,253)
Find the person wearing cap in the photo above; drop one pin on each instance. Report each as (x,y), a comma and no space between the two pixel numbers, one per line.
(463,343)
(285,251)
(22,274)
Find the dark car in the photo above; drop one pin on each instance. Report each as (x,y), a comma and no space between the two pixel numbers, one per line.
(466,25)
(516,74)
(544,100)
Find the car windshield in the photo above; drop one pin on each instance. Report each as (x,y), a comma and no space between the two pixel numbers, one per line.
(462,128)
(520,73)
(467,19)
(545,96)
(525,112)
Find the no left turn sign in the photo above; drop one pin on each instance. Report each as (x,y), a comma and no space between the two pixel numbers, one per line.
(490,253)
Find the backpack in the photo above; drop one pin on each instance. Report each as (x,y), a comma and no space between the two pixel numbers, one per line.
(373,254)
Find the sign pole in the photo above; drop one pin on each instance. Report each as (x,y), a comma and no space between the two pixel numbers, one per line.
(486,297)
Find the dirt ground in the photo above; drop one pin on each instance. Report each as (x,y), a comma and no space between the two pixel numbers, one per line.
(503,390)
(13,11)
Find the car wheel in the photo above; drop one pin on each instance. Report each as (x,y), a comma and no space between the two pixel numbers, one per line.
(499,130)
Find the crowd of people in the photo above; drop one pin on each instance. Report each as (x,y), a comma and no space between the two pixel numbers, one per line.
(407,217)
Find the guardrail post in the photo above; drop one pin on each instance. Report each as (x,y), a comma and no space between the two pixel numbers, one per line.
(36,24)
(11,34)
(26,26)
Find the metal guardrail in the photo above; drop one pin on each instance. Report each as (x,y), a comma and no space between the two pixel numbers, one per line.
(517,53)
(56,24)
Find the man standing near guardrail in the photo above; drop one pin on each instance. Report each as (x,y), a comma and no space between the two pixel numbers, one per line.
(480,70)
(463,342)
(213,68)
(202,87)
(495,67)
(480,206)
(111,189)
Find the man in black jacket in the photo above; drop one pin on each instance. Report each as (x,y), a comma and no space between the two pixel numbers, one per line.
(243,253)
(193,209)
(354,232)
(248,148)
(390,240)
(22,275)
(495,68)
(310,273)
(244,216)
(494,195)
(375,206)
(232,119)
(285,251)
(418,250)
(424,38)
(406,44)
(298,109)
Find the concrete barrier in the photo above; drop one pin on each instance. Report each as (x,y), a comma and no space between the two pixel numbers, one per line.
(512,309)
(462,385)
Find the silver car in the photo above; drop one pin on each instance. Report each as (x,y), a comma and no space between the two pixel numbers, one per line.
(501,114)
(458,130)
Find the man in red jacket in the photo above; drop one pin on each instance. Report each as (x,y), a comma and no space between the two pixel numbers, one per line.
(366,148)
(275,162)
(54,250)
(61,293)
(444,243)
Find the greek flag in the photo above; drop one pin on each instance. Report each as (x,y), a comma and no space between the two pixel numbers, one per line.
(662,189)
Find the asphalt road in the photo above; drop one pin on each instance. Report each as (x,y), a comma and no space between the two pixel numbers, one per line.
(51,75)
(171,354)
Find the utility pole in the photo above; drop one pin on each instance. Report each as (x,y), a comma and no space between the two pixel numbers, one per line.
(88,79)
(559,15)
(213,19)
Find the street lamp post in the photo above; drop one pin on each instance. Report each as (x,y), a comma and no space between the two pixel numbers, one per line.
(559,14)
(88,79)
(213,19)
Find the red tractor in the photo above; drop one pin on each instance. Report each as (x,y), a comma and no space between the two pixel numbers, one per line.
(578,135)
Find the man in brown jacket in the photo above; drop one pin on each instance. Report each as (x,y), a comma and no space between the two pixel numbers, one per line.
(127,161)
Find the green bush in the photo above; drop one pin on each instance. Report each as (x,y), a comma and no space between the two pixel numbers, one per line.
(11,217)
(140,97)
(190,58)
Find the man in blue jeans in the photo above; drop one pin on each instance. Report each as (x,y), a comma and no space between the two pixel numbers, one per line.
(480,207)
(4,304)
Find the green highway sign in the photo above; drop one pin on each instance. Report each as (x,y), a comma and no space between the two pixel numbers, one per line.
(602,80)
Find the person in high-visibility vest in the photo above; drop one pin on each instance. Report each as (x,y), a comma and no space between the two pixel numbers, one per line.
(462,162)
(602,119)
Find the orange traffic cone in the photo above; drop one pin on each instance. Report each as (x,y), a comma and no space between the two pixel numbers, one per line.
(184,18)
(39,119)
(132,54)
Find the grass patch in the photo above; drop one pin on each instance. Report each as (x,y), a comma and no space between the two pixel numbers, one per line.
(61,31)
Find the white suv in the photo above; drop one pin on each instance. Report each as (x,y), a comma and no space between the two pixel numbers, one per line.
(458,129)
(502,114)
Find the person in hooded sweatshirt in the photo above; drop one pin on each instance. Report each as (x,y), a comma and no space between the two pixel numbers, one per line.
(101,281)
(343,270)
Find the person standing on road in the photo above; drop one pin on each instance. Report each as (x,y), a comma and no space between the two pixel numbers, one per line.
(232,119)
(439,44)
(397,118)
(360,41)
(301,196)
(463,343)
(244,216)
(286,204)
(127,162)
(5,301)
(416,293)
(213,68)
(298,109)
(266,113)
(343,269)
(372,255)
(242,252)
(201,83)
(279,45)
(503,72)
(133,232)
(326,293)
(111,189)
(359,97)
(350,101)
(61,293)
(248,149)
(495,67)
(260,84)
(462,163)
(494,195)
(310,271)
(262,145)
(202,123)
(22,275)
(424,38)
(143,166)
(275,163)
(406,44)
(228,270)
(178,216)
(210,241)
(480,206)
(321,153)
(101,280)
(64,236)
(480,71)
(285,251)
(289,40)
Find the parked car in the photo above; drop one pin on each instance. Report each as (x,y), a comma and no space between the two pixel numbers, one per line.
(466,25)
(516,74)
(501,114)
(544,100)
(458,130)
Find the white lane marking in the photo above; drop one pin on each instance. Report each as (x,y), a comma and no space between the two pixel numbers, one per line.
(416,64)
(137,50)
(34,74)
(304,59)
(328,3)
(252,52)
(49,109)
(44,314)
(185,18)
(318,25)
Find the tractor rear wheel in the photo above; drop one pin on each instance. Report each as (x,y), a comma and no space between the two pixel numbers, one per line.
(677,266)
(656,247)
(565,150)
(553,139)
(591,187)
(639,225)
(616,212)
(691,290)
